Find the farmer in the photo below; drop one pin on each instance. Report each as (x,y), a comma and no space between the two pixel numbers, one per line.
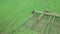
(33,11)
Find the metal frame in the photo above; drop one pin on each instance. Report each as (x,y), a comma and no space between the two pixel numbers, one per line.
(54,14)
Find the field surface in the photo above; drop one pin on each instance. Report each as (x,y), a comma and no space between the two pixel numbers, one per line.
(14,17)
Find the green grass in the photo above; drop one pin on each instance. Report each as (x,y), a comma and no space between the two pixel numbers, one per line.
(9,9)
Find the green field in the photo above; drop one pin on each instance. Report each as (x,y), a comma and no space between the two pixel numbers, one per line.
(15,12)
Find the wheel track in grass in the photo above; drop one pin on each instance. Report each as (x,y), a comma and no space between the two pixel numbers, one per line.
(55,26)
(23,24)
(31,17)
(47,25)
(39,20)
(2,24)
(9,24)
(39,28)
(35,24)
(52,21)
(26,20)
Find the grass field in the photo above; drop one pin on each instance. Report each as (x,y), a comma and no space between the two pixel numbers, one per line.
(14,12)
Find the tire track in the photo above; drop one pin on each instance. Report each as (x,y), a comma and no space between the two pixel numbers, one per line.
(49,20)
(30,17)
(40,27)
(36,23)
(52,21)
(11,22)
(23,24)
